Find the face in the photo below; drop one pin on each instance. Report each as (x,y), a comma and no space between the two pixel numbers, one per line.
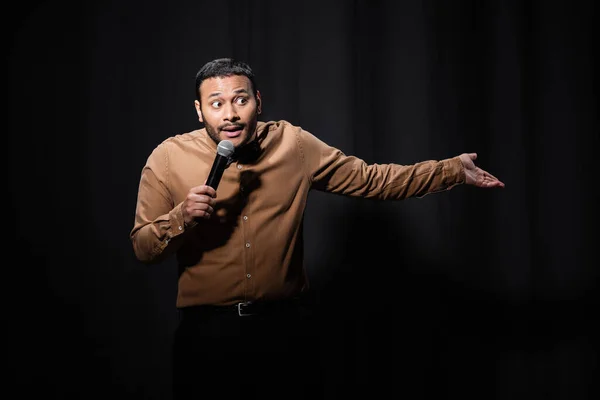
(229,109)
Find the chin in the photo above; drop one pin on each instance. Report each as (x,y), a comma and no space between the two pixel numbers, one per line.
(238,140)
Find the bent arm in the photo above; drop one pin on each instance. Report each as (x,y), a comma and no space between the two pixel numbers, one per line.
(158,223)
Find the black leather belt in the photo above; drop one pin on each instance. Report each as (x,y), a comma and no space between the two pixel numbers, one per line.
(244,309)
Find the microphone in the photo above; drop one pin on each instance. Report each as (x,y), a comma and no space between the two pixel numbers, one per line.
(224,151)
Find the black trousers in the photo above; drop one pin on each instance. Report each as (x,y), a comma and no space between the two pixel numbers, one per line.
(273,354)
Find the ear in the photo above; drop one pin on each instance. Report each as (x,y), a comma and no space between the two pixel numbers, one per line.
(198,110)
(258,102)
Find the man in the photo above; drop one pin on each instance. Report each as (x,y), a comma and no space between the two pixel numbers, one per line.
(239,246)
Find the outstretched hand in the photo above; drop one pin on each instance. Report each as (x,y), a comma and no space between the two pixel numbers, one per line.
(475,175)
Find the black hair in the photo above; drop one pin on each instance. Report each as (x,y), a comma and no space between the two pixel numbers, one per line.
(224,67)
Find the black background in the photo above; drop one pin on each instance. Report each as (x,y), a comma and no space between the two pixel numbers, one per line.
(471,293)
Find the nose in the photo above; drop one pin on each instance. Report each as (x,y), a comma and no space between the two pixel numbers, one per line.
(231,113)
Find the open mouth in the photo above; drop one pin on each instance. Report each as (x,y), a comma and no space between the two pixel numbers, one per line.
(232,131)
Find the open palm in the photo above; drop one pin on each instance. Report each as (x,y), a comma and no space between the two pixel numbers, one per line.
(477,176)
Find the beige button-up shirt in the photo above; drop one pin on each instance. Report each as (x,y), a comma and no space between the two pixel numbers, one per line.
(252,247)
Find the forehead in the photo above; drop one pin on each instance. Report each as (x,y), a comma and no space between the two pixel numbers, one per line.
(225,85)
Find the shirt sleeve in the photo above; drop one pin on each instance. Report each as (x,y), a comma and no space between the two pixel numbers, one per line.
(158,222)
(330,170)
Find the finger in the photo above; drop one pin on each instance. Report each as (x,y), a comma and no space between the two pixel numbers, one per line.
(496,180)
(495,184)
(205,203)
(202,210)
(473,156)
(491,181)
(208,212)
(210,191)
(202,199)
(196,198)
(197,189)
(487,174)
(204,189)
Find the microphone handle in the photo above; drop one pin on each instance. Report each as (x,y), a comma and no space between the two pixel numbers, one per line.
(216,171)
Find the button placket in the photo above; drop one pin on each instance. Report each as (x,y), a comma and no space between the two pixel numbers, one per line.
(249,285)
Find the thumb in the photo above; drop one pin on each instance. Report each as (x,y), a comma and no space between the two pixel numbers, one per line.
(473,156)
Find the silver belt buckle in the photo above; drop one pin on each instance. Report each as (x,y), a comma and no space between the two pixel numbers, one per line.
(240,307)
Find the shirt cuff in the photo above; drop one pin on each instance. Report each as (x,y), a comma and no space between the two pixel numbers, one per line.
(453,171)
(177,222)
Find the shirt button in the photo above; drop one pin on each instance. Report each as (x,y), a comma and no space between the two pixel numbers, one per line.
(245,218)
(247,244)
(239,166)
(248,276)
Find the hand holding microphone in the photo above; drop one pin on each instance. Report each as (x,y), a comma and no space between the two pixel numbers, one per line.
(200,200)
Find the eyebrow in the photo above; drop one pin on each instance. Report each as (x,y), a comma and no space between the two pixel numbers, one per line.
(238,91)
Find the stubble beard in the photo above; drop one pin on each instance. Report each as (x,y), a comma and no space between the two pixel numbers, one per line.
(250,129)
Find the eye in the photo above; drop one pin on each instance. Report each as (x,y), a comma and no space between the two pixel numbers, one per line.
(215,104)
(241,100)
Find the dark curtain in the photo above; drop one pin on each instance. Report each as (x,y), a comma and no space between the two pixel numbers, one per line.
(487,294)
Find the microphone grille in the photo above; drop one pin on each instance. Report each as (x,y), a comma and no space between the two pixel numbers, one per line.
(225,148)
